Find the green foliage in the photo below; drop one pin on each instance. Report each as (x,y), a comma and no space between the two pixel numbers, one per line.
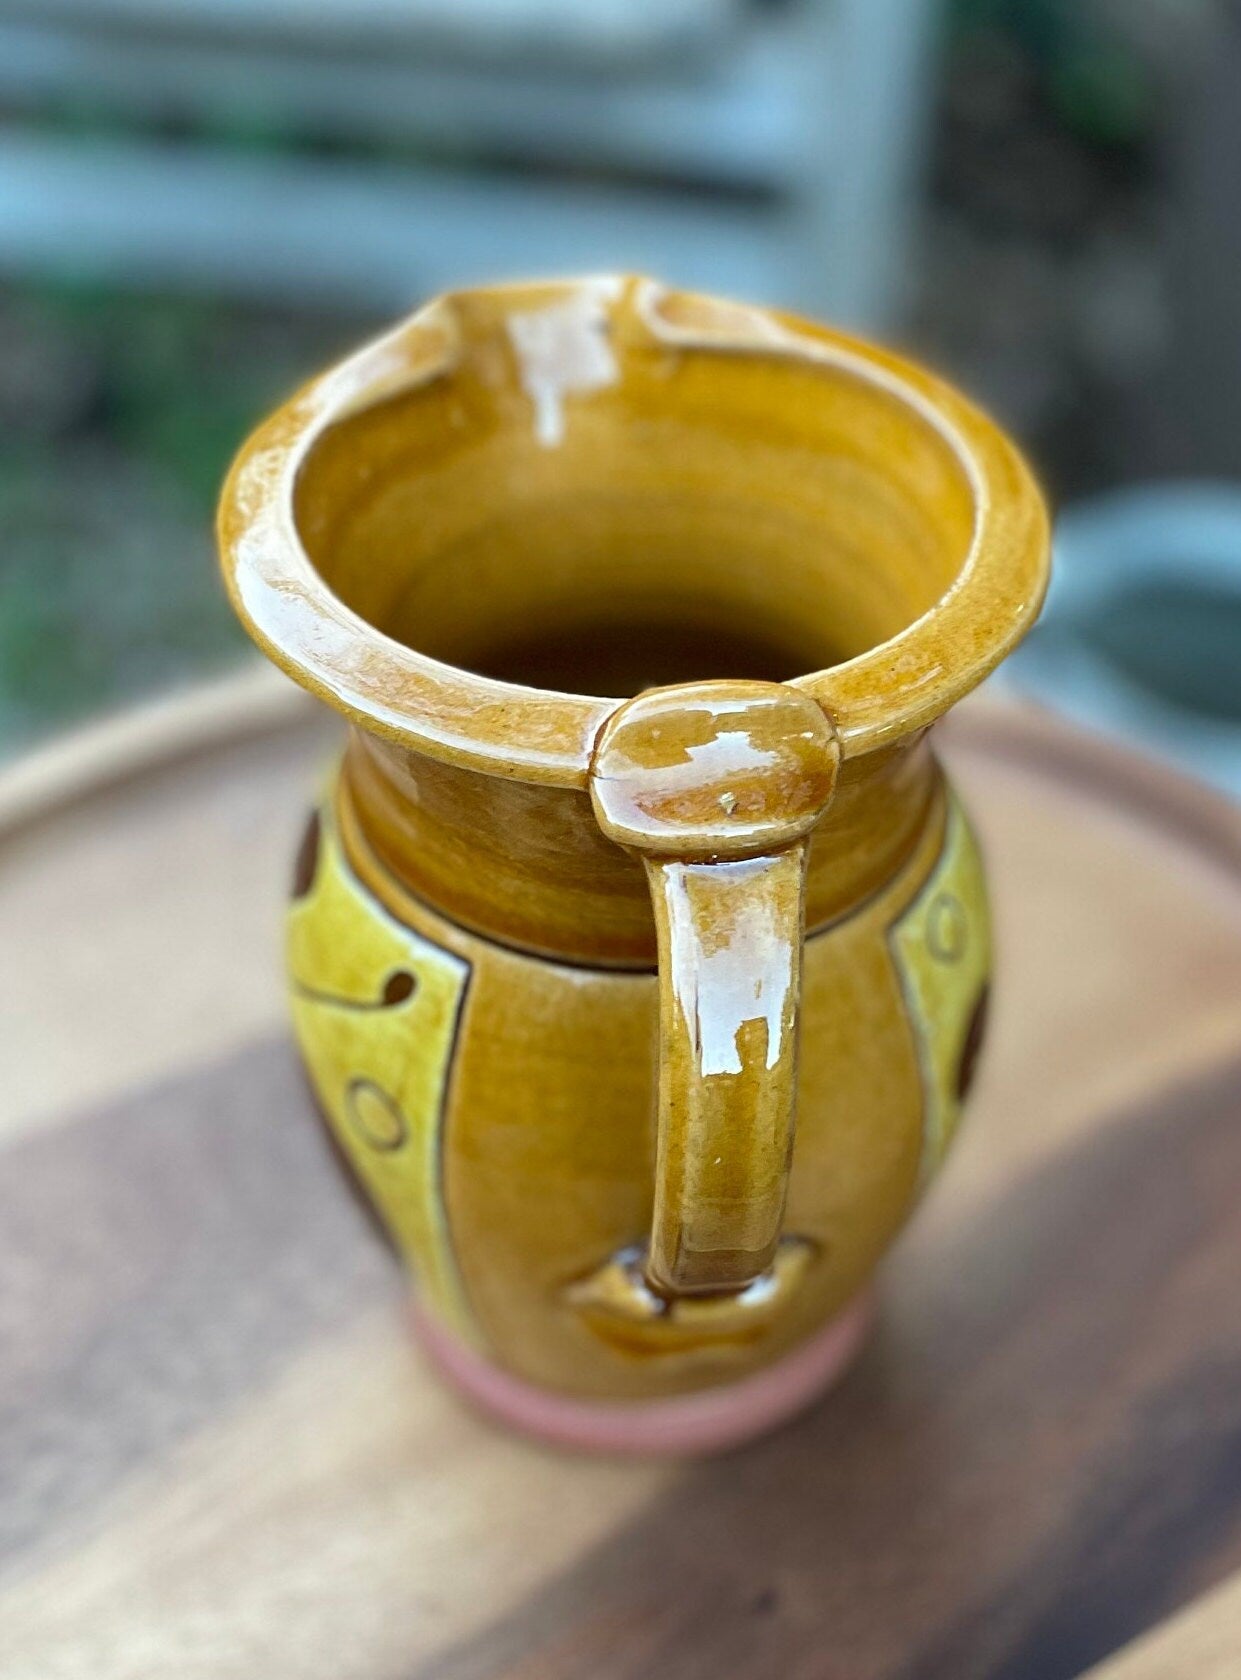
(1091,76)
(167,389)
(119,414)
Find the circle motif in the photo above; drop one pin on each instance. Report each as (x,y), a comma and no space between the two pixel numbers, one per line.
(375,1115)
(399,986)
(947,931)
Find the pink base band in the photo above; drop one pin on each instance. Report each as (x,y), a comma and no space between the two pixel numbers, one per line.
(706,1422)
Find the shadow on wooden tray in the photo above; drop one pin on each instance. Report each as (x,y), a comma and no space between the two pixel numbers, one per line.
(1038,1458)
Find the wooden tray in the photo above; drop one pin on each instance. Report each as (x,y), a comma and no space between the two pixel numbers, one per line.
(220,1454)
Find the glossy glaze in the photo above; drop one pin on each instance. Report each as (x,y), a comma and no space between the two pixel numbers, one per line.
(717,787)
(642,1021)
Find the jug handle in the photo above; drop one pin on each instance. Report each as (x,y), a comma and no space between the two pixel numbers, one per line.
(716,786)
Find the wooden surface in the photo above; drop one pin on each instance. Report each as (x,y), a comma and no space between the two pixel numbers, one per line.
(221,1456)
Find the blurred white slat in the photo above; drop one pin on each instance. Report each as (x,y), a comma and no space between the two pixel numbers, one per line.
(734,121)
(602,31)
(353,235)
(821,106)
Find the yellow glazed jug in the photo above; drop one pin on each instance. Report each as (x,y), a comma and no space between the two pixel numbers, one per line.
(638,953)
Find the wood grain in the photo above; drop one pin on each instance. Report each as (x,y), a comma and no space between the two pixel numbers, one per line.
(220,1455)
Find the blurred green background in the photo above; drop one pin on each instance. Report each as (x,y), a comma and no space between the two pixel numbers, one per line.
(119,414)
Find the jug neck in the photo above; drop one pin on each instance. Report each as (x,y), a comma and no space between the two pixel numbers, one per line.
(527,865)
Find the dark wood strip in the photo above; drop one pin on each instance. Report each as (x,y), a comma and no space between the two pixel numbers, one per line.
(161,1259)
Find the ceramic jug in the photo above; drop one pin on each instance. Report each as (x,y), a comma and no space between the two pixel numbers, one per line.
(638,951)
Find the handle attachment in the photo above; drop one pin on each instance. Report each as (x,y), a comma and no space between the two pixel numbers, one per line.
(717,786)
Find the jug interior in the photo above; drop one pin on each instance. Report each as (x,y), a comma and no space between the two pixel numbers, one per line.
(693,514)
(622,657)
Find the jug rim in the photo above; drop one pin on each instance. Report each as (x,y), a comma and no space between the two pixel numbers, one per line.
(388,688)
